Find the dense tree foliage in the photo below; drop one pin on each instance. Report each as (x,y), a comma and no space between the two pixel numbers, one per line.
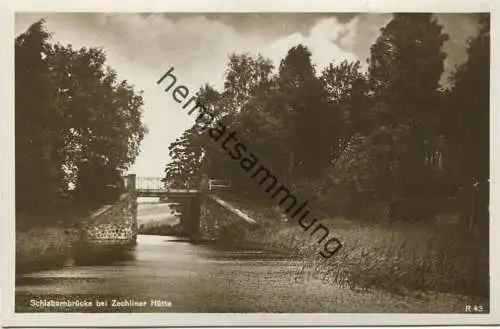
(466,120)
(405,67)
(77,126)
(392,132)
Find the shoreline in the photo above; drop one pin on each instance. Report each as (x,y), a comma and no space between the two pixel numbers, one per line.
(44,248)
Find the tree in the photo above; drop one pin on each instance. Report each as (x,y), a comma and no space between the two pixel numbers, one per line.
(38,123)
(305,115)
(254,121)
(81,124)
(192,153)
(406,64)
(247,80)
(466,121)
(103,127)
(185,166)
(347,89)
(245,77)
(406,61)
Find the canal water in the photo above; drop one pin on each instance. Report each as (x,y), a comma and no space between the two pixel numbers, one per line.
(165,274)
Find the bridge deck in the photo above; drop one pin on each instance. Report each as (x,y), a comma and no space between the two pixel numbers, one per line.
(166,192)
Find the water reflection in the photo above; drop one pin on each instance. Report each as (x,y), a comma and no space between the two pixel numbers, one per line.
(103,254)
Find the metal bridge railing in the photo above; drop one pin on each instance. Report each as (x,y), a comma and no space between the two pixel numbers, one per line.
(218,183)
(159,184)
(150,183)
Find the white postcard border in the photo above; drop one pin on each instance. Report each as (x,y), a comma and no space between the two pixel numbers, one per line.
(7,213)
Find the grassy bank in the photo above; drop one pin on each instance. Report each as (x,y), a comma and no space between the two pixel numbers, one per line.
(43,248)
(48,238)
(399,258)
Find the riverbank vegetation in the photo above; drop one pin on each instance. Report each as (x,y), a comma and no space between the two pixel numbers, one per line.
(392,146)
(78,127)
(400,258)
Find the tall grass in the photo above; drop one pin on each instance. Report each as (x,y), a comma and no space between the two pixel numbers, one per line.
(412,257)
(399,258)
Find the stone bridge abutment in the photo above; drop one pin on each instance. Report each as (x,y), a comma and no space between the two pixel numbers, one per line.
(113,224)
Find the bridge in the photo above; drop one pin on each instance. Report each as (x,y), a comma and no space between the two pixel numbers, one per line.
(200,210)
(158,187)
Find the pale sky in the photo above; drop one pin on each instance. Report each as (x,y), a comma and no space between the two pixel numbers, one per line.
(142,47)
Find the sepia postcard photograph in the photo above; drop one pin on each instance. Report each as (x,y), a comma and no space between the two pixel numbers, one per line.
(187,165)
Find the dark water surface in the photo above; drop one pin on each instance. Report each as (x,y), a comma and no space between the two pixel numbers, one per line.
(182,277)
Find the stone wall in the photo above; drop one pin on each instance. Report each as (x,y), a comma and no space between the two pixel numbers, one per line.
(211,218)
(217,216)
(114,224)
